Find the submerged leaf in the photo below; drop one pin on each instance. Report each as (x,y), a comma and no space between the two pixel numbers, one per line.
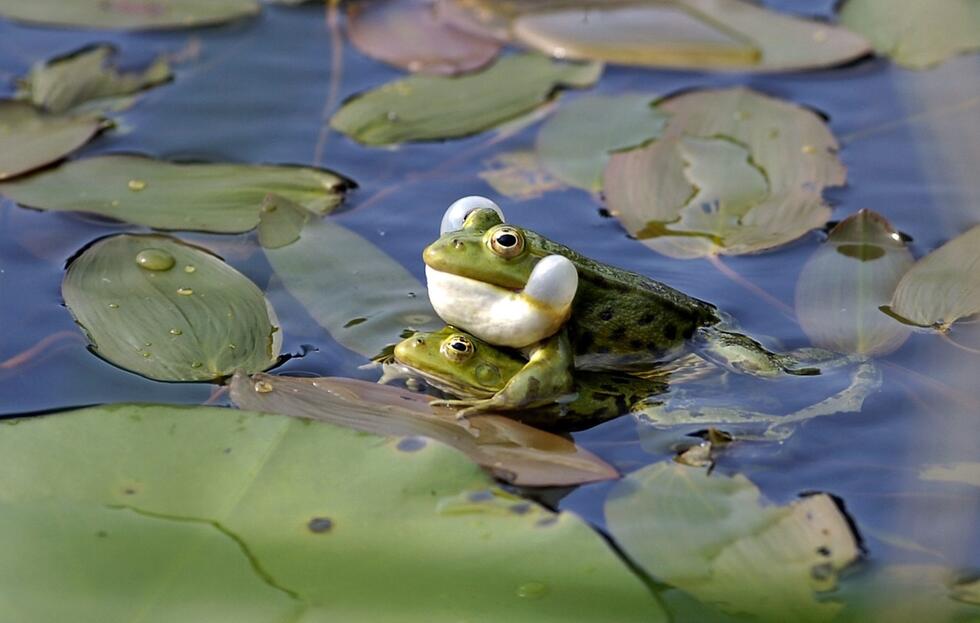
(280,221)
(127,14)
(30,139)
(846,280)
(914,33)
(426,108)
(966,473)
(86,77)
(221,198)
(575,143)
(205,514)
(713,537)
(734,172)
(169,311)
(512,451)
(519,175)
(942,287)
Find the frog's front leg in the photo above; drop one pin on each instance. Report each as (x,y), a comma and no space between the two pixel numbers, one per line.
(740,353)
(546,377)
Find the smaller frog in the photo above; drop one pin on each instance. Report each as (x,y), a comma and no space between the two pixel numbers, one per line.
(460,364)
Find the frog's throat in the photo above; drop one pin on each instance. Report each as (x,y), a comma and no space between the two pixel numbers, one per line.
(497,315)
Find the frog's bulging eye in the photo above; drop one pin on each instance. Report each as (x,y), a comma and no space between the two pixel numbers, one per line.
(457,348)
(507,242)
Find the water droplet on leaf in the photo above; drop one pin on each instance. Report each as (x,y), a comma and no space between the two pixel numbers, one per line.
(263,387)
(154,259)
(532,590)
(136,185)
(176,332)
(185,291)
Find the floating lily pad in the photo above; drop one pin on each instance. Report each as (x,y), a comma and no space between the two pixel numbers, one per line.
(207,514)
(511,451)
(519,175)
(846,280)
(30,139)
(352,289)
(575,143)
(409,34)
(127,14)
(734,172)
(912,592)
(87,77)
(715,538)
(913,33)
(942,287)
(427,108)
(280,221)
(169,311)
(221,198)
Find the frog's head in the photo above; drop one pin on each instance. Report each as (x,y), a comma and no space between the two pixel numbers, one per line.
(457,362)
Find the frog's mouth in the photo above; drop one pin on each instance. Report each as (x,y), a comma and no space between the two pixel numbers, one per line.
(397,370)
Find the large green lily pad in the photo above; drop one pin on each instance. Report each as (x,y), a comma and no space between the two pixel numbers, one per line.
(30,139)
(427,108)
(169,311)
(714,537)
(221,198)
(204,514)
(127,14)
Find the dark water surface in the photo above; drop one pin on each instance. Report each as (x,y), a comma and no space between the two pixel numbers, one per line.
(256,91)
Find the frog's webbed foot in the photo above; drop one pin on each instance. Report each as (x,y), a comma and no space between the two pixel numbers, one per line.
(468,407)
(740,353)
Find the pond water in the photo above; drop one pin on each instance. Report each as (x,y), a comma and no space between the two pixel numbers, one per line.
(255,91)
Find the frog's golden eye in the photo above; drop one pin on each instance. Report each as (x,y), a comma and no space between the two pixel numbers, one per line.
(457,348)
(507,242)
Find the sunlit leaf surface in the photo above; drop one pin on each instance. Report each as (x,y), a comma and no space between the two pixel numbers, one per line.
(519,175)
(914,33)
(426,108)
(169,311)
(716,538)
(280,221)
(512,451)
(127,14)
(847,279)
(221,198)
(574,144)
(30,139)
(734,172)
(942,287)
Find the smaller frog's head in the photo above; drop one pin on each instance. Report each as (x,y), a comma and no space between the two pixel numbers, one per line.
(457,362)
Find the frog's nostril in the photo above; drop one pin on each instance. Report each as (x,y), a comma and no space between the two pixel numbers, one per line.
(457,243)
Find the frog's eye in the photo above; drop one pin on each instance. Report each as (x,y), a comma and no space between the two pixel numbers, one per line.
(454,217)
(457,348)
(507,242)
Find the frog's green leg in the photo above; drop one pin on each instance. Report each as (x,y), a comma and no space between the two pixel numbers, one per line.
(545,378)
(740,353)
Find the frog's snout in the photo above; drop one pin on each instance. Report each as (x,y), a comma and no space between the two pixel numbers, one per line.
(405,347)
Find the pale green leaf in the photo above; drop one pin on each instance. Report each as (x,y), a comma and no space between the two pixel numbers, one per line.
(30,139)
(519,175)
(280,221)
(127,14)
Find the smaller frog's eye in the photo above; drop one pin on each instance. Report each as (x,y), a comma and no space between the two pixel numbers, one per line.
(507,242)
(457,348)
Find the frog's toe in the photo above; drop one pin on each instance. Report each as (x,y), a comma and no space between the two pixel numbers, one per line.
(451,402)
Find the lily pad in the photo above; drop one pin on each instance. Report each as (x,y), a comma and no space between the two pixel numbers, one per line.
(30,139)
(221,198)
(575,143)
(519,175)
(280,221)
(714,537)
(207,514)
(410,35)
(87,77)
(127,14)
(352,289)
(428,108)
(915,34)
(512,451)
(846,280)
(942,287)
(169,311)
(734,172)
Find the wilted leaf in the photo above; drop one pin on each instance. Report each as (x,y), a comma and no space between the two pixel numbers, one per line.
(734,172)
(169,311)
(519,175)
(512,451)
(30,139)
(575,143)
(964,473)
(360,295)
(714,537)
(913,33)
(409,34)
(426,108)
(846,280)
(280,221)
(86,78)
(127,14)
(203,514)
(942,287)
(221,198)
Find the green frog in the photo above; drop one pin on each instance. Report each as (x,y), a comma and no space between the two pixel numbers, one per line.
(465,366)
(510,286)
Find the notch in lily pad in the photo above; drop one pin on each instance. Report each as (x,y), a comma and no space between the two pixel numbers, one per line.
(31,138)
